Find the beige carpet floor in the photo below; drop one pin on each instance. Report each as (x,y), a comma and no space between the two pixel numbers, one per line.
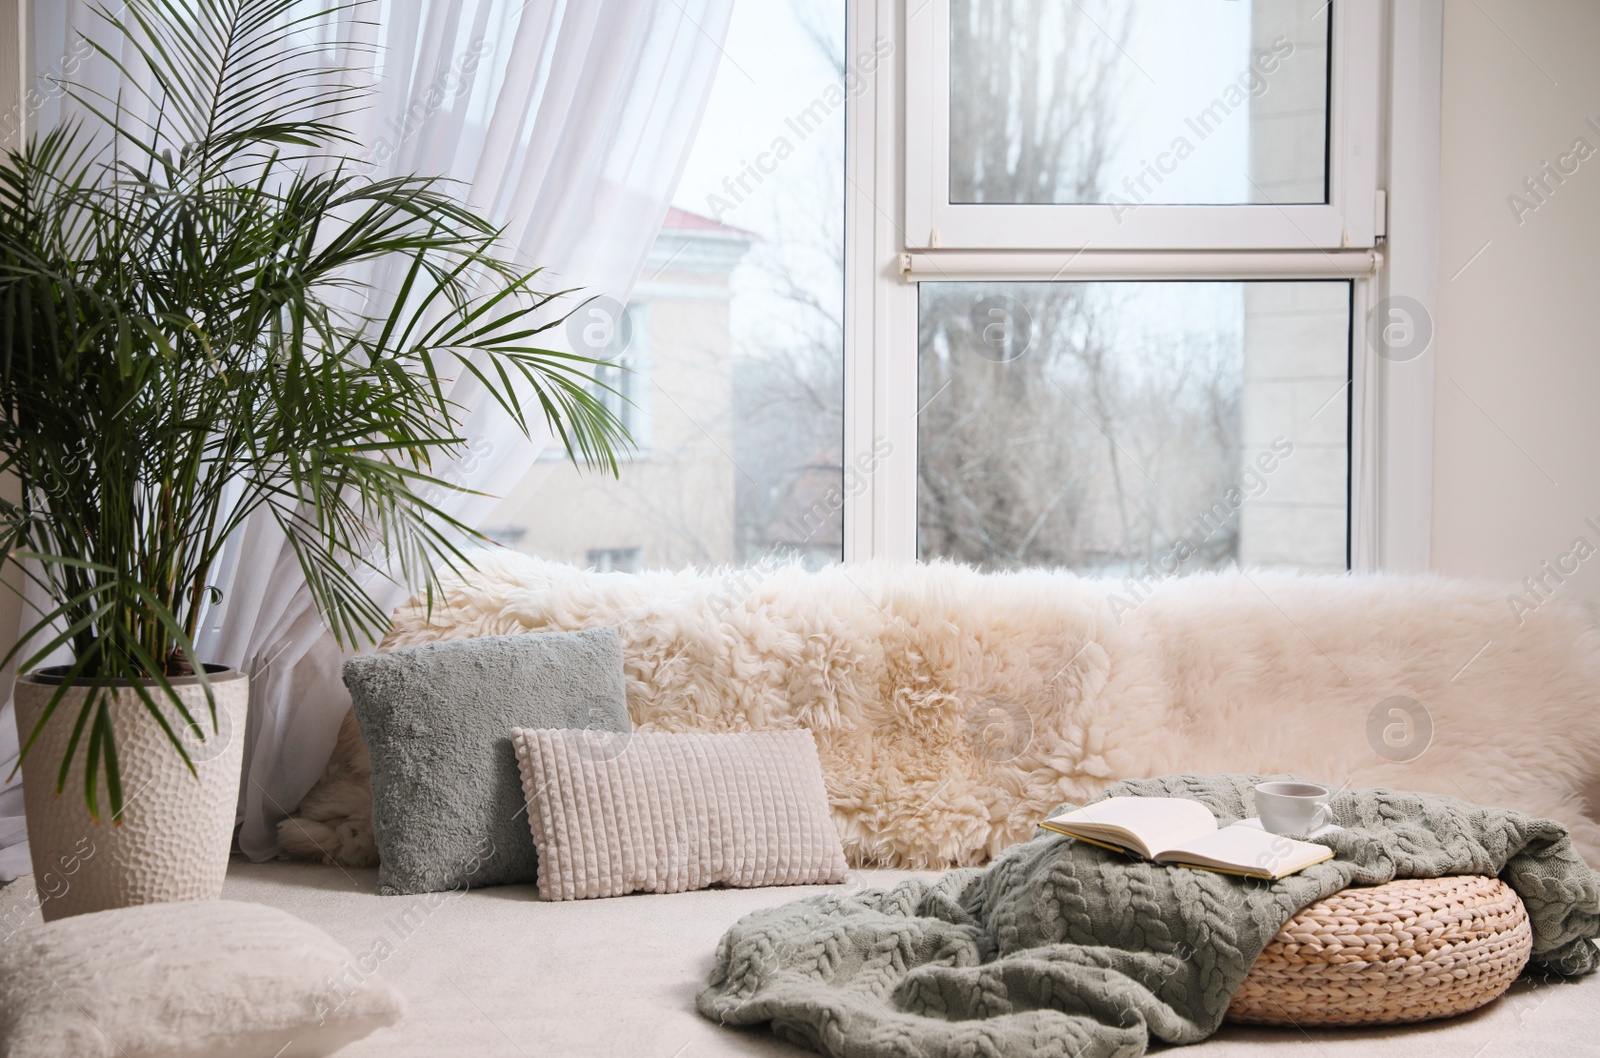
(495,973)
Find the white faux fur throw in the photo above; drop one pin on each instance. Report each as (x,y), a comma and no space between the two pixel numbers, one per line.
(952,709)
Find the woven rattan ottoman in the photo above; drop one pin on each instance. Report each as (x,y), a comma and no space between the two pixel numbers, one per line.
(1408,950)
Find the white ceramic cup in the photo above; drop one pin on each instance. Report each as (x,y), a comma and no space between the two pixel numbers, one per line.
(1293,807)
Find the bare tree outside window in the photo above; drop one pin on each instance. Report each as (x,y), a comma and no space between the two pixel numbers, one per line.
(789,390)
(1093,426)
(1054,432)
(1108,427)
(1031,84)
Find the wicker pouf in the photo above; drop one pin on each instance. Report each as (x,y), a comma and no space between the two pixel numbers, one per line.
(1408,950)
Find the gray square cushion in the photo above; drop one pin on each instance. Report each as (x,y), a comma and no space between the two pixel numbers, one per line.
(448,810)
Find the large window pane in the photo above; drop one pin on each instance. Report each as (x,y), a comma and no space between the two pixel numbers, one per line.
(1135,102)
(1118,428)
(727,364)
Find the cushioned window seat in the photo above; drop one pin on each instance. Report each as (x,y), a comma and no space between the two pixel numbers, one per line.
(495,972)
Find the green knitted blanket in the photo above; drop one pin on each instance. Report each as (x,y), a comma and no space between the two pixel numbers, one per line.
(1061,948)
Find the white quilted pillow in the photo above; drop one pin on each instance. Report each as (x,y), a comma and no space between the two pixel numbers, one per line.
(196,979)
(665,813)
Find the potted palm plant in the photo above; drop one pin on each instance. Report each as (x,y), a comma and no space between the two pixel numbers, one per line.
(191,341)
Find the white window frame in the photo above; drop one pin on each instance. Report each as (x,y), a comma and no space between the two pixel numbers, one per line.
(1346,220)
(1381,231)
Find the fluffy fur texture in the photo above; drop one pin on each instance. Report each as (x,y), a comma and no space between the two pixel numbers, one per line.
(334,822)
(185,979)
(447,804)
(952,708)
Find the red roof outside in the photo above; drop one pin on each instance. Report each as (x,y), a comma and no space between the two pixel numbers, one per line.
(683,220)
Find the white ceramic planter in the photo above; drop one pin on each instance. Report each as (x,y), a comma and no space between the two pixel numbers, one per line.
(176,831)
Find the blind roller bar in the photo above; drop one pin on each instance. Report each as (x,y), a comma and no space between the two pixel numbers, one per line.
(932,266)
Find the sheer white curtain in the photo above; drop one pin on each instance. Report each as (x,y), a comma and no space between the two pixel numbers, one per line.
(569,123)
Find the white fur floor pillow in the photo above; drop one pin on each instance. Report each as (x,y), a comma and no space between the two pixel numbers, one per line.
(953,709)
(197,979)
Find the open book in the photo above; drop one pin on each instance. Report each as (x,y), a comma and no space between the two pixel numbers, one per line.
(1185,833)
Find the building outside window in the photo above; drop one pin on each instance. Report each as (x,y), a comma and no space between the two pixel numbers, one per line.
(1108,315)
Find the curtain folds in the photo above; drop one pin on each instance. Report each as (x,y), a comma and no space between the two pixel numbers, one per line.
(568,123)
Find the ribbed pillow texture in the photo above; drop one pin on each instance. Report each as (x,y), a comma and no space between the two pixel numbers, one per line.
(660,812)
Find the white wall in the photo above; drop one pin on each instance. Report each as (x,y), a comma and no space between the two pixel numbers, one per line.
(1517,384)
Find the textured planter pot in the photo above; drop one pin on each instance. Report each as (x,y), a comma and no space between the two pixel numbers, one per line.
(176,831)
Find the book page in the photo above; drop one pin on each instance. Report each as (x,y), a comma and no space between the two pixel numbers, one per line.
(1148,824)
(1247,851)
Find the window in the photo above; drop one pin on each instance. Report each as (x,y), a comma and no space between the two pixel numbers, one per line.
(1105,256)
(1062,104)
(1156,124)
(1088,284)
(1127,428)
(727,363)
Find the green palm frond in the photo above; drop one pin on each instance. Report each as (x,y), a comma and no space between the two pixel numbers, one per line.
(179,356)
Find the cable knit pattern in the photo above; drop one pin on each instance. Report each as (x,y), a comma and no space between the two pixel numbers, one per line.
(666,813)
(1067,950)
